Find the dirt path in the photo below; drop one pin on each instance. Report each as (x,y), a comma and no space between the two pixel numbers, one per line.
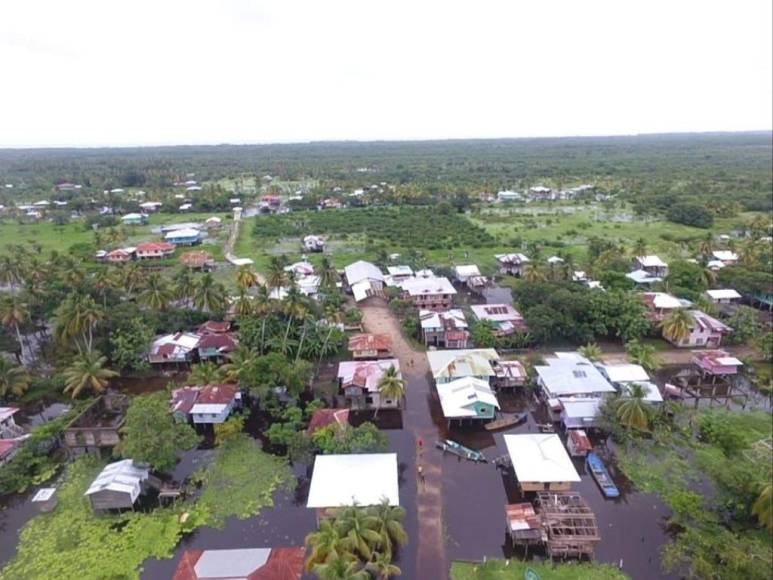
(417,418)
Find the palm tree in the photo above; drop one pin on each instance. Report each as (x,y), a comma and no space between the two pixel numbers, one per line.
(389,525)
(390,386)
(132,277)
(358,527)
(208,295)
(294,307)
(591,351)
(262,307)
(640,247)
(277,276)
(677,326)
(632,411)
(325,542)
(763,507)
(642,354)
(341,567)
(328,276)
(156,294)
(242,304)
(14,312)
(14,380)
(333,316)
(87,372)
(238,364)
(382,568)
(184,285)
(245,277)
(532,273)
(206,373)
(706,247)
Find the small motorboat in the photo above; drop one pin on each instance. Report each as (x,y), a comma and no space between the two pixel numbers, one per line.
(460,450)
(507,421)
(599,472)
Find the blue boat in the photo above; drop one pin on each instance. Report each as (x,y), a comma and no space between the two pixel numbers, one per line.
(460,450)
(601,475)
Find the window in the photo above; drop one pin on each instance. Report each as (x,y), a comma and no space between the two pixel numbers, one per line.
(579,374)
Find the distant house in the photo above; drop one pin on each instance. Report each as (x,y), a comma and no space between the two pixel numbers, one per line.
(571,375)
(467,398)
(512,264)
(705,331)
(653,265)
(241,564)
(447,329)
(540,462)
(96,430)
(358,381)
(184,237)
(325,417)
(214,403)
(364,346)
(118,486)
(214,327)
(151,206)
(505,319)
(363,280)
(508,374)
(197,260)
(216,345)
(8,427)
(134,219)
(555,260)
(429,293)
(447,365)
(213,223)
(179,347)
(300,269)
(660,305)
(509,196)
(185,207)
(463,273)
(727,257)
(723,296)
(314,243)
(120,256)
(541,193)
(398,273)
(150,250)
(477,283)
(716,363)
(643,278)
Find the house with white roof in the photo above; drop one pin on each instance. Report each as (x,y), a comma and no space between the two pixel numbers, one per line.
(150,206)
(184,237)
(314,243)
(8,427)
(429,293)
(242,564)
(653,265)
(447,365)
(214,404)
(723,296)
(643,278)
(364,280)
(570,374)
(361,479)
(134,219)
(447,329)
(399,273)
(512,264)
(117,486)
(727,257)
(577,413)
(467,398)
(179,347)
(508,195)
(465,272)
(623,376)
(660,305)
(505,318)
(541,462)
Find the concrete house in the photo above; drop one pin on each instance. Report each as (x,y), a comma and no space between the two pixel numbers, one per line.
(365,346)
(505,319)
(358,382)
(571,375)
(120,256)
(151,250)
(447,329)
(363,280)
(118,486)
(512,264)
(723,296)
(467,398)
(435,294)
(716,363)
(705,331)
(653,265)
(540,462)
(448,365)
(184,237)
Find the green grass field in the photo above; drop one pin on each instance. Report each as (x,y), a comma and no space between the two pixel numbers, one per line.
(514,570)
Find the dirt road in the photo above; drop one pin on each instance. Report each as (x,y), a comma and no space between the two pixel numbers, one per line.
(417,418)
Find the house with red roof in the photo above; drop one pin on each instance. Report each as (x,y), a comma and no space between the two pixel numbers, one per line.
(214,327)
(120,256)
(216,346)
(154,250)
(324,417)
(363,346)
(359,381)
(241,564)
(215,403)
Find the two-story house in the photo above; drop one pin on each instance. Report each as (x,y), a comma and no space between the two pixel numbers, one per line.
(512,264)
(447,329)
(435,294)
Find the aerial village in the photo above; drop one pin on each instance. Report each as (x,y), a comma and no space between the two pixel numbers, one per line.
(177,404)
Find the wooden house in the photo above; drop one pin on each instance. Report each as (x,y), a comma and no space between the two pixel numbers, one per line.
(447,329)
(577,443)
(97,429)
(540,462)
(716,363)
(508,374)
(184,237)
(660,305)
(512,264)
(653,265)
(569,523)
(363,280)
(467,399)
(358,382)
(370,346)
(180,347)
(215,403)
(197,260)
(723,296)
(216,346)
(118,486)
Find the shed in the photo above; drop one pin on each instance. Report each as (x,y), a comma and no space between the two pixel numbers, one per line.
(118,486)
(359,479)
(45,499)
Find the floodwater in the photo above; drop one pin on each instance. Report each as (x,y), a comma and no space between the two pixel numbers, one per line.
(15,511)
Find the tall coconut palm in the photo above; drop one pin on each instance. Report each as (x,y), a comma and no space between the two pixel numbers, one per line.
(206,373)
(295,309)
(156,292)
(262,307)
(640,247)
(677,326)
(77,317)
(706,247)
(87,372)
(243,303)
(358,528)
(389,525)
(333,316)
(642,354)
(341,567)
(632,411)
(239,364)
(591,351)
(9,272)
(390,386)
(14,312)
(328,276)
(763,507)
(277,276)
(382,568)
(209,295)
(246,277)
(324,543)
(133,277)
(532,273)
(14,380)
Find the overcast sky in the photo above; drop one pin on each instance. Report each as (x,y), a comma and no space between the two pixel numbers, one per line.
(119,72)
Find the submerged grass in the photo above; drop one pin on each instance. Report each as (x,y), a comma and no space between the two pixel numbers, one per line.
(73,542)
(514,570)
